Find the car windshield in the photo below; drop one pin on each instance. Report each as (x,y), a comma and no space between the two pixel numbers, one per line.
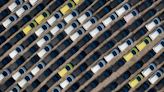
(69,79)
(46,38)
(44,27)
(56,90)
(99,28)
(138,78)
(101,64)
(18,49)
(151,67)
(60,26)
(74,25)
(15,90)
(32,25)
(40,66)
(25,7)
(27,78)
(5,73)
(158,74)
(17,2)
(47,49)
(92,20)
(44,14)
(21,71)
(11,18)
(57,16)
(74,14)
(126,7)
(159,31)
(80,32)
(133,52)
(156,21)
(87,14)
(134,13)
(68,68)
(70,5)
(128,42)
(114,53)
(112,17)
(146,41)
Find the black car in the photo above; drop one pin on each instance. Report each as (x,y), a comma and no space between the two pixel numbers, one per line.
(78,58)
(143,86)
(97,5)
(144,5)
(110,87)
(54,5)
(80,69)
(149,14)
(84,5)
(90,86)
(135,24)
(118,64)
(135,67)
(3,2)
(5,48)
(121,35)
(123,77)
(139,34)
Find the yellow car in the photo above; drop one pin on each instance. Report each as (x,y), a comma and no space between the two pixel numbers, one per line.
(143,44)
(41,17)
(77,1)
(135,81)
(67,8)
(65,70)
(130,54)
(28,28)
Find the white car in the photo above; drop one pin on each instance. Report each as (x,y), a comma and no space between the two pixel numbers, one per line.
(13,5)
(83,17)
(42,29)
(155,76)
(42,52)
(15,89)
(69,17)
(24,81)
(21,10)
(15,52)
(95,31)
(89,23)
(122,10)
(55,17)
(156,33)
(125,45)
(56,89)
(131,15)
(110,56)
(20,72)
(42,41)
(159,46)
(66,82)
(148,70)
(152,24)
(97,67)
(58,27)
(36,69)
(4,74)
(75,35)
(32,2)
(70,28)
(8,21)
(109,19)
